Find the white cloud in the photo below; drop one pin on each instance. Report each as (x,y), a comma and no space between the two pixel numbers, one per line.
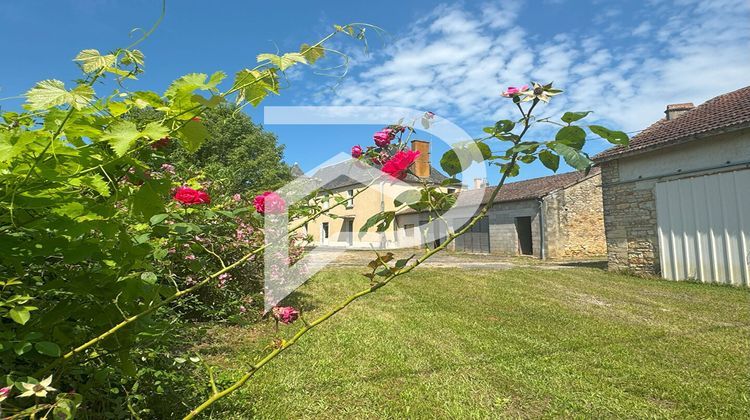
(456,61)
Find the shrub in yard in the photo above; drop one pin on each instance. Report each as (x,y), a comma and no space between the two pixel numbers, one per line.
(101,229)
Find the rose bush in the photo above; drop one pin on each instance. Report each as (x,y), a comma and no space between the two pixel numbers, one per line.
(107,245)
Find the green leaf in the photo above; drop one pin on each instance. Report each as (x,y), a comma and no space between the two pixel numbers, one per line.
(91,60)
(614,137)
(81,96)
(311,53)
(48,348)
(570,117)
(189,83)
(550,160)
(20,314)
(571,136)
(117,108)
(22,347)
(121,137)
(450,163)
(92,181)
(372,221)
(149,277)
(283,62)
(47,94)
(485,151)
(253,85)
(51,93)
(504,126)
(407,197)
(193,134)
(154,131)
(573,157)
(527,158)
(158,218)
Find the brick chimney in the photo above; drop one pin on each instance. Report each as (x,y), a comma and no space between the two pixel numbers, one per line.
(422,164)
(675,110)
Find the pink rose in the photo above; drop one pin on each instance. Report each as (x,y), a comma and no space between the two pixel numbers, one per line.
(5,392)
(237,198)
(269,202)
(356,152)
(513,91)
(285,314)
(167,168)
(383,137)
(399,163)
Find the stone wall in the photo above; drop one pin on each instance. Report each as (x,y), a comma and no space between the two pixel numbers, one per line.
(630,222)
(574,221)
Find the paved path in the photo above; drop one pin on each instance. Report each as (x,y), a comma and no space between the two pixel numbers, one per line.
(460,260)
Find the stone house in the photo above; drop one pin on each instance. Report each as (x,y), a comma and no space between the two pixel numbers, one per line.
(341,228)
(558,216)
(677,199)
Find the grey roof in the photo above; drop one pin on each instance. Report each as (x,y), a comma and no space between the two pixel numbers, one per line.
(529,189)
(436,177)
(297,171)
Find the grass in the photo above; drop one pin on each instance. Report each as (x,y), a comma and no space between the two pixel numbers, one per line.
(514,343)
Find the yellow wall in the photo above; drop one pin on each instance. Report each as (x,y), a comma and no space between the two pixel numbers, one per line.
(366,204)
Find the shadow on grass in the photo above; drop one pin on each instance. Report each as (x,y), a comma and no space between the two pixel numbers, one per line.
(599,264)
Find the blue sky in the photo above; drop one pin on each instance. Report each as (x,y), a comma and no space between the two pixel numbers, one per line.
(625,60)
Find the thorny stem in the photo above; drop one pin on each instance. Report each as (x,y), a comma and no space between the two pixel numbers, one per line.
(151,309)
(394,274)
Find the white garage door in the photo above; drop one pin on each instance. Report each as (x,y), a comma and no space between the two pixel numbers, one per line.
(704,228)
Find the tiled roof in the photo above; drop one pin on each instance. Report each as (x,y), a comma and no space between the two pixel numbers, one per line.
(531,189)
(726,112)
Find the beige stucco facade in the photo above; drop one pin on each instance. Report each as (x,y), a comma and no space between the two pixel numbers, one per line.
(344,222)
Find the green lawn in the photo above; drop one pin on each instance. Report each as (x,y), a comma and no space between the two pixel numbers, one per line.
(517,343)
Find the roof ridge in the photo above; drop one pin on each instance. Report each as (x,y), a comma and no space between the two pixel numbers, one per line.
(731,109)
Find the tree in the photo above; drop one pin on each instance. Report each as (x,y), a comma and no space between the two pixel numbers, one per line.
(239,154)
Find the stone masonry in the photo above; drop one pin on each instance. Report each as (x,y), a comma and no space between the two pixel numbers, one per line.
(630,222)
(574,221)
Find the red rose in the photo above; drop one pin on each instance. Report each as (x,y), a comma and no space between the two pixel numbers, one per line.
(196,119)
(399,163)
(269,202)
(356,152)
(189,196)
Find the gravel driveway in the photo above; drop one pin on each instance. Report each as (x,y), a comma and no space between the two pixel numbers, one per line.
(360,258)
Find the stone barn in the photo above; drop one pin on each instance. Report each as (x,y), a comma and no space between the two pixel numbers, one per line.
(677,199)
(558,216)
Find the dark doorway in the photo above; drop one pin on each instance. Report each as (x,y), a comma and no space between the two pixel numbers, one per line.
(523,228)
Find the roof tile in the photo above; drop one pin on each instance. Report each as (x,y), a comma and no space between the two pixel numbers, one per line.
(730,110)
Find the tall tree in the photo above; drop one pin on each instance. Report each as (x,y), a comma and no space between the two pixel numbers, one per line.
(239,155)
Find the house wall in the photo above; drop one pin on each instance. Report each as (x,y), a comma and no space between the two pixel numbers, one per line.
(629,199)
(503,234)
(366,204)
(574,221)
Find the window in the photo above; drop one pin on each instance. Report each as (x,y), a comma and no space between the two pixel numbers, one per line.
(409,231)
(350,199)
(325,230)
(451,190)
